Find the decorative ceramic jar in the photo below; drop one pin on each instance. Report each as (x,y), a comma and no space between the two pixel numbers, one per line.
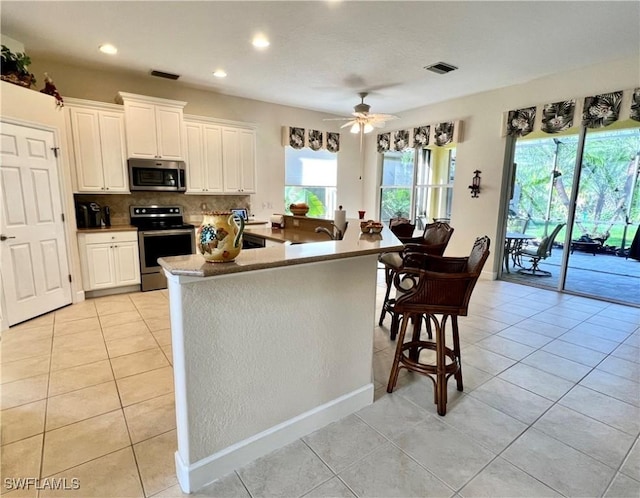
(220,236)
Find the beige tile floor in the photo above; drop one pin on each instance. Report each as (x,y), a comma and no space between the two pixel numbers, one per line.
(551,407)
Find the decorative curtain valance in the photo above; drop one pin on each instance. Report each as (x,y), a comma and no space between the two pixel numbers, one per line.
(440,134)
(298,138)
(596,111)
(635,105)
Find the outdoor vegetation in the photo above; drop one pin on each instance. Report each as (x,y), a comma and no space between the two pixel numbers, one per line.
(608,202)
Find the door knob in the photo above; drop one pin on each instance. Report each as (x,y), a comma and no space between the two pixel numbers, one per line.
(4,237)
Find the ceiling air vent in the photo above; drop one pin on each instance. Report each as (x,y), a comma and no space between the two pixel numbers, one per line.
(161,74)
(440,68)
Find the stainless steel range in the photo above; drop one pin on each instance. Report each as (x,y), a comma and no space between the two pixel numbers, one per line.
(161,232)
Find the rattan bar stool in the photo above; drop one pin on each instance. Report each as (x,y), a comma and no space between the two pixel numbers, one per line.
(437,291)
(434,240)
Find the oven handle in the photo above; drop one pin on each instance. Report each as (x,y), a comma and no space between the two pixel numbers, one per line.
(159,233)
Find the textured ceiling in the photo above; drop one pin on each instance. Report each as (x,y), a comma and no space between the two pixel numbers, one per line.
(323,53)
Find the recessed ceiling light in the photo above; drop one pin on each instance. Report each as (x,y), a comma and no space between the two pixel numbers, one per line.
(220,73)
(107,48)
(260,41)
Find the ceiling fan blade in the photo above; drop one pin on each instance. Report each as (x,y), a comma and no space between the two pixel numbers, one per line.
(350,123)
(337,119)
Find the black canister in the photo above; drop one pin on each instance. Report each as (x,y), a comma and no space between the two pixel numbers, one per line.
(106,216)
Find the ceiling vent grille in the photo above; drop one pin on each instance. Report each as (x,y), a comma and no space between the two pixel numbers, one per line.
(161,74)
(440,68)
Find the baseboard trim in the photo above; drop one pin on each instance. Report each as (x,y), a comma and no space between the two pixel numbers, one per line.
(195,476)
(112,291)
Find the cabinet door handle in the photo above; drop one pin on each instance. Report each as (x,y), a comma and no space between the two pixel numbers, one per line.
(107,188)
(4,237)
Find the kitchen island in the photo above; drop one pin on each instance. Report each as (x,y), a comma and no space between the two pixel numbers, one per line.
(270,347)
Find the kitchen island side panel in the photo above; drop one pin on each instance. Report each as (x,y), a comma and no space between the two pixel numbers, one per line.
(265,346)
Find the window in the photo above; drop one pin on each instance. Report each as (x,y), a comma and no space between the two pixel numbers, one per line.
(311,177)
(417,184)
(397,184)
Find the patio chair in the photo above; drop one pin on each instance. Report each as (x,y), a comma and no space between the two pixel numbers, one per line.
(433,240)
(537,254)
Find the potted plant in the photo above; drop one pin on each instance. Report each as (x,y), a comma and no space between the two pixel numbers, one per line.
(14,68)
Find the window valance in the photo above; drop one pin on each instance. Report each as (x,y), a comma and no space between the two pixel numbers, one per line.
(314,139)
(595,111)
(420,137)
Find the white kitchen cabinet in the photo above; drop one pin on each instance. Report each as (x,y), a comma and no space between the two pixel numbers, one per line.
(154,127)
(221,156)
(204,158)
(109,259)
(239,160)
(98,147)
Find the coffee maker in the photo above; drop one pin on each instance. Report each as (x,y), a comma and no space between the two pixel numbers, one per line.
(88,214)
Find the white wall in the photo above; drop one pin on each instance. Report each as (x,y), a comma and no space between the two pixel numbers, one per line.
(482,147)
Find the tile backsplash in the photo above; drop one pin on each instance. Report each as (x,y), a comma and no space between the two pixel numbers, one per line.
(192,205)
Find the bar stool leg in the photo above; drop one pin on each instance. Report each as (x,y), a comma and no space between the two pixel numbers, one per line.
(456,351)
(441,376)
(388,277)
(395,369)
(414,353)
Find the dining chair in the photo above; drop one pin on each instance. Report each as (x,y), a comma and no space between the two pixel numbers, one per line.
(537,254)
(434,240)
(437,292)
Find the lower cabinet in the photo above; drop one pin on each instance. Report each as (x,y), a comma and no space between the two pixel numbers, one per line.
(109,259)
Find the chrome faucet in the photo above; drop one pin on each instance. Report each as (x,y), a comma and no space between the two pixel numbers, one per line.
(335,235)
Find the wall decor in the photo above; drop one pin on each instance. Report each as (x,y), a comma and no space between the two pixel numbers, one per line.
(315,139)
(635,105)
(520,121)
(400,140)
(421,136)
(333,141)
(601,110)
(383,140)
(558,116)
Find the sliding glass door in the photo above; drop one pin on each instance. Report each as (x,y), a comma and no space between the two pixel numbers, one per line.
(573,213)
(607,212)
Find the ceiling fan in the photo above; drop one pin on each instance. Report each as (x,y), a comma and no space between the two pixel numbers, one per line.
(362,121)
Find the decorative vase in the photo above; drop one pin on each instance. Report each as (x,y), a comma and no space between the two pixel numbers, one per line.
(220,236)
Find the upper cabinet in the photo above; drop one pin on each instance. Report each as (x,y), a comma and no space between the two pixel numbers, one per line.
(204,158)
(98,156)
(221,156)
(239,160)
(154,127)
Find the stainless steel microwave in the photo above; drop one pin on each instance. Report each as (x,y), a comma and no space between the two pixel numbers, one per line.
(157,174)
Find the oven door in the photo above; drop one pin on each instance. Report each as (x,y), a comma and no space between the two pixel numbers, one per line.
(156,244)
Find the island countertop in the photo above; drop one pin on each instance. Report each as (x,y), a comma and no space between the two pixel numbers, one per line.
(353,244)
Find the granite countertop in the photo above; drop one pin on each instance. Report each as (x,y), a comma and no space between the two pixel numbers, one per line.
(112,228)
(352,245)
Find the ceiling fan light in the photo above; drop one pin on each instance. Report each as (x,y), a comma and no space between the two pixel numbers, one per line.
(368,128)
(355,128)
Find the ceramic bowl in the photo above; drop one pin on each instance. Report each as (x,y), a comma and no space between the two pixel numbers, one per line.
(375,228)
(299,211)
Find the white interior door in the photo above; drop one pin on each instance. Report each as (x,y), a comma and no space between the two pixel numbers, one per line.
(33,252)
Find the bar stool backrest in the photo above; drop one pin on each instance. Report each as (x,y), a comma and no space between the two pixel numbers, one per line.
(443,285)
